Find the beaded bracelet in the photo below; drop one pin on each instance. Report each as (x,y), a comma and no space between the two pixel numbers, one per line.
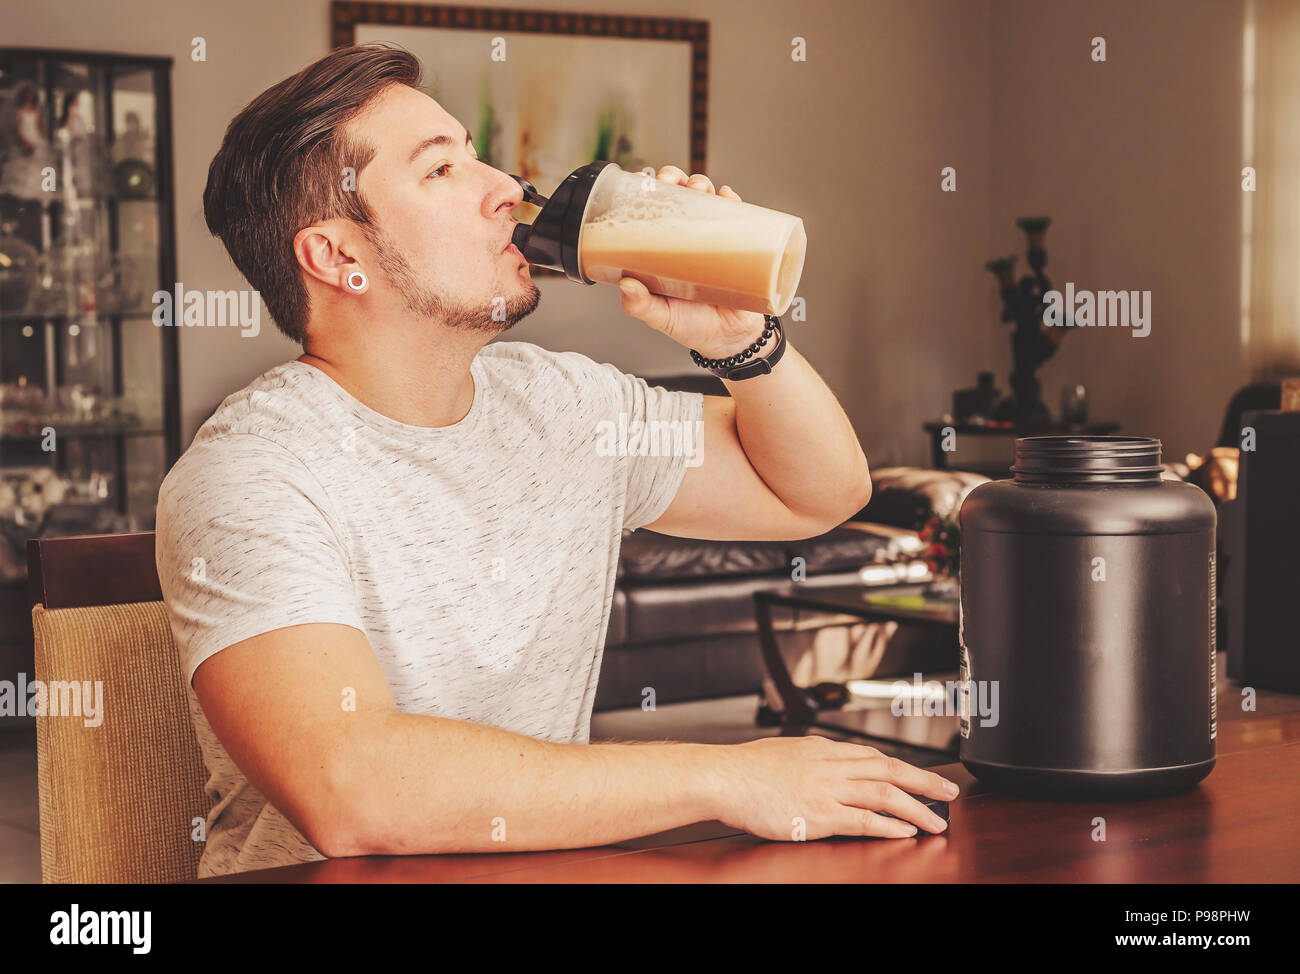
(744,365)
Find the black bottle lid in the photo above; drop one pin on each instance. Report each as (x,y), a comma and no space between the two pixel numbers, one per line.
(551,240)
(1087,459)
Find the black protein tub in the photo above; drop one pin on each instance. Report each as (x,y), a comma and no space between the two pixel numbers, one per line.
(1087,596)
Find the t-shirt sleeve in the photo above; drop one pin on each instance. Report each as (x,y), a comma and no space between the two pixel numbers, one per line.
(670,423)
(245,544)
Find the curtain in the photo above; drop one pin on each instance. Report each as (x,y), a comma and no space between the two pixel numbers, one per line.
(1271,214)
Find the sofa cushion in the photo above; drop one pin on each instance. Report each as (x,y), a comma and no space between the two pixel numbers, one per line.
(651,557)
(850,546)
(711,607)
(907,497)
(616,631)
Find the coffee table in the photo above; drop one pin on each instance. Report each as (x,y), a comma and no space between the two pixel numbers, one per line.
(871,719)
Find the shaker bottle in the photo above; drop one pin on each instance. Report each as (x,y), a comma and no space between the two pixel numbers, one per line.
(603,223)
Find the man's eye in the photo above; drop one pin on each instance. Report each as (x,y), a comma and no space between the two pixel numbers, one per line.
(445,165)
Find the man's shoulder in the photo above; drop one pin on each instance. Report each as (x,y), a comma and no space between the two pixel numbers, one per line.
(277,402)
(218,463)
(535,356)
(523,365)
(250,435)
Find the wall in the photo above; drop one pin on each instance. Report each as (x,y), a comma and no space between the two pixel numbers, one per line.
(1135,159)
(853,141)
(1138,161)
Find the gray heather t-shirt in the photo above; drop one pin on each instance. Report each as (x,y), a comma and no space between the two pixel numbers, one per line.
(478,558)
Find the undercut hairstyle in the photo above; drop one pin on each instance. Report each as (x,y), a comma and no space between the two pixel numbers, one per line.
(281,167)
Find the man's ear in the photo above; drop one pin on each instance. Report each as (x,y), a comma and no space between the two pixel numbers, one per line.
(326,252)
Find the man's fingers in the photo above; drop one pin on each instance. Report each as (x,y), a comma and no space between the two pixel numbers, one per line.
(700,182)
(904,775)
(730,194)
(856,752)
(859,821)
(671,174)
(640,303)
(697,181)
(882,796)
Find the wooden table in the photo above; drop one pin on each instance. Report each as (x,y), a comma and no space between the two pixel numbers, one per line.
(1240,825)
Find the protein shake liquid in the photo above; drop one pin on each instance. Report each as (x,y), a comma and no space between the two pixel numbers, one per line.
(605,223)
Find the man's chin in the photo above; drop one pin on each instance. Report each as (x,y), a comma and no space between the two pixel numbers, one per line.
(521,307)
(498,319)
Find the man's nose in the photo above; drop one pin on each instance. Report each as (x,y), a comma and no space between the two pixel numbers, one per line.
(504,191)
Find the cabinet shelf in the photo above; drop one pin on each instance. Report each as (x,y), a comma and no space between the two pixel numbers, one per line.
(28,319)
(104,236)
(89,434)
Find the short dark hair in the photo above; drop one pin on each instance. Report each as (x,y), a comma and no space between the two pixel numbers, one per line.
(280,168)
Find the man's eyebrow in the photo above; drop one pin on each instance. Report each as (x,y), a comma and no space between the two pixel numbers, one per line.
(430,142)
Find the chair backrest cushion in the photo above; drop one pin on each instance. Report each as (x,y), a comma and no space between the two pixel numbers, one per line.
(118,801)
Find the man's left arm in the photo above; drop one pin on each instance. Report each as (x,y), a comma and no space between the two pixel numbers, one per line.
(778,459)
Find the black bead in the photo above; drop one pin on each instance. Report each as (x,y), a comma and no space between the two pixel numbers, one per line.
(761,342)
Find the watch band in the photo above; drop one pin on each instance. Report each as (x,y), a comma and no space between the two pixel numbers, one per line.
(744,365)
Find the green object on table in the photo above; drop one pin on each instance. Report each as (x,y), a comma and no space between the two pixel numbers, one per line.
(900,601)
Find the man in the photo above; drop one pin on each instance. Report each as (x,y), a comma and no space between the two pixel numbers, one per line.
(389,563)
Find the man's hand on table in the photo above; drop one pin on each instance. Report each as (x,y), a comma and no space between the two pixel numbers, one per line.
(834,787)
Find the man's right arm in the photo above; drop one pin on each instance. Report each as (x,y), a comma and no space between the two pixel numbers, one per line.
(306,713)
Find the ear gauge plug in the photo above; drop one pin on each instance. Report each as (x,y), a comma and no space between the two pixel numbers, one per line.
(357,281)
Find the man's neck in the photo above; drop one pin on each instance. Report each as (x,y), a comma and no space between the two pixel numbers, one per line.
(431,386)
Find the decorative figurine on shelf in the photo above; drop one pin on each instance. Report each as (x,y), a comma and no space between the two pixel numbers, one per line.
(1032,342)
(1074,405)
(976,405)
(82,150)
(24,145)
(38,492)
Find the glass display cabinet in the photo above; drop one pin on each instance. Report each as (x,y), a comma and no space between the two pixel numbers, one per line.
(89,393)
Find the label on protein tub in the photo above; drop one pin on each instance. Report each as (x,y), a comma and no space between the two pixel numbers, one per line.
(1214,666)
(963,691)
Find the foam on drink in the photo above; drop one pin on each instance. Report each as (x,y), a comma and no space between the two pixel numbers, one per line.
(687,244)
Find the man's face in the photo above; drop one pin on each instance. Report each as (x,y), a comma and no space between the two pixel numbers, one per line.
(443,219)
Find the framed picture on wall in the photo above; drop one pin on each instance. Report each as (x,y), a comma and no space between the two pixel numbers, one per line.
(543,92)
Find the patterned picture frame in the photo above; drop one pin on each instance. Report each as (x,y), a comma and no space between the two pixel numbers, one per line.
(346,16)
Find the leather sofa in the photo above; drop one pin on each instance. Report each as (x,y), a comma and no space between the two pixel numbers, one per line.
(683,621)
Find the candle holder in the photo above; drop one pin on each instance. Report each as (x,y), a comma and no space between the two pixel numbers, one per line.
(1032,342)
